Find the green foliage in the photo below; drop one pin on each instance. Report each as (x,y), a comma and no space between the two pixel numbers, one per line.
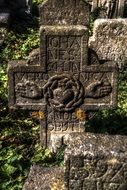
(19,133)
(42,156)
(16,149)
(20,44)
(60,156)
(45,158)
(3,87)
(113,121)
(37,1)
(122,93)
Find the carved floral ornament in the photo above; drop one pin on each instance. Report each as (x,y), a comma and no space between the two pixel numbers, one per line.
(63,92)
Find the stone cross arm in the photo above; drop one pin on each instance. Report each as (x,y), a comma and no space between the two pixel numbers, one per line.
(64,80)
(31,88)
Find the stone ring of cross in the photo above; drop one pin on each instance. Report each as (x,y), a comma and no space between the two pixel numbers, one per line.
(63,92)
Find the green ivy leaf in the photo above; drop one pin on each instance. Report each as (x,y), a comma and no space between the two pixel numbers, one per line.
(8,169)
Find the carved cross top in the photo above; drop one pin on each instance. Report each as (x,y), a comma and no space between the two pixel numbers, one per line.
(64,84)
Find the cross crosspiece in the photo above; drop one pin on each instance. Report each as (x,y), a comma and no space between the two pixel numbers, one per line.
(64,84)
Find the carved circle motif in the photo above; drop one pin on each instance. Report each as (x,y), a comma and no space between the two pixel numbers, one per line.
(63,93)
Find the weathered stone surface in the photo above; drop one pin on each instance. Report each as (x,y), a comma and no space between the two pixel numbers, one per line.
(109,8)
(34,57)
(96,162)
(68,79)
(109,40)
(64,12)
(41,178)
(92,162)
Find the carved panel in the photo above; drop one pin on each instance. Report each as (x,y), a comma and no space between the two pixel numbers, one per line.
(97,175)
(91,164)
(64,12)
(64,48)
(100,87)
(64,53)
(63,93)
(66,92)
(109,40)
(28,88)
(59,126)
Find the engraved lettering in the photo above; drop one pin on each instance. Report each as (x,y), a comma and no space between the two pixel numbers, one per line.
(64,51)
(52,54)
(51,127)
(19,76)
(64,127)
(53,42)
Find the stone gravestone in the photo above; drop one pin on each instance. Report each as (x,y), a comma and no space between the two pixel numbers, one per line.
(107,32)
(64,83)
(96,162)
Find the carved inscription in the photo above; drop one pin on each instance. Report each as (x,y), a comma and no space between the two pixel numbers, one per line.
(96,174)
(64,127)
(64,122)
(109,40)
(63,93)
(30,76)
(64,53)
(65,12)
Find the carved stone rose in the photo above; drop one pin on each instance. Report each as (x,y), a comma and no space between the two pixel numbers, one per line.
(63,92)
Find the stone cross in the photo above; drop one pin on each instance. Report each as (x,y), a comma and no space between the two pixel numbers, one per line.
(68,79)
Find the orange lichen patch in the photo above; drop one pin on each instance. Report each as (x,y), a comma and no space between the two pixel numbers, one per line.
(58,184)
(81,115)
(38,114)
(113,161)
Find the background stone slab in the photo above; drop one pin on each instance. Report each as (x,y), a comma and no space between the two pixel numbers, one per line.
(64,12)
(96,162)
(109,40)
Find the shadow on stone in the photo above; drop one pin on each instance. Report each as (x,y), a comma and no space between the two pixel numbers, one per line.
(112,125)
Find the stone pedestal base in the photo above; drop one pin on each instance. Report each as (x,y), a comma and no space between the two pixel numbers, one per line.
(41,178)
(96,162)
